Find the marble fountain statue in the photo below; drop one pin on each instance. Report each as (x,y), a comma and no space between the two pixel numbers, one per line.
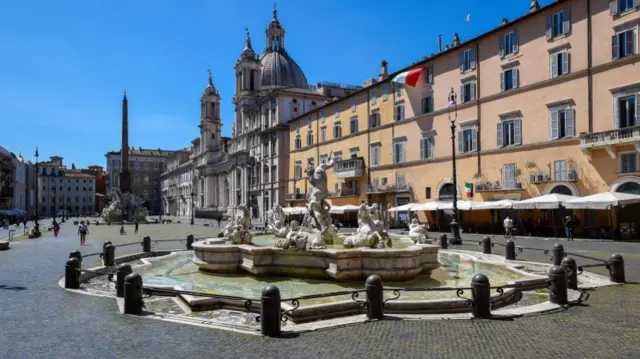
(124,207)
(313,248)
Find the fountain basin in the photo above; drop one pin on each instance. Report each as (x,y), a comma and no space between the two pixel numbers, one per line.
(391,264)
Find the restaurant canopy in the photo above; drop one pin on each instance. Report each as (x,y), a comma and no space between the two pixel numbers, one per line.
(602,200)
(403,208)
(548,201)
(344,209)
(294,210)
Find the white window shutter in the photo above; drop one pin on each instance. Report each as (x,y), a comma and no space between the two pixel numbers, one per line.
(569,122)
(630,43)
(474,139)
(502,81)
(430,147)
(460,141)
(554,132)
(614,47)
(472,95)
(554,65)
(516,45)
(517,131)
(501,46)
(565,63)
(549,31)
(516,75)
(422,148)
(566,20)
(499,135)
(638,109)
(616,114)
(473,58)
(613,7)
(462,99)
(462,61)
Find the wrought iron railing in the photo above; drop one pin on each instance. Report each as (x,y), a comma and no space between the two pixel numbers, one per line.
(349,164)
(488,186)
(295,196)
(345,192)
(405,187)
(611,136)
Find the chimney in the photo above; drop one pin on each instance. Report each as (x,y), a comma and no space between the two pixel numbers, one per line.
(534,6)
(446,47)
(504,21)
(439,42)
(383,71)
(456,40)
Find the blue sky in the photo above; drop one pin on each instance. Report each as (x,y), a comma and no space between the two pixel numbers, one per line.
(65,64)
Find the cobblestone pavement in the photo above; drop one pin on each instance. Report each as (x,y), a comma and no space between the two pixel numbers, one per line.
(40,320)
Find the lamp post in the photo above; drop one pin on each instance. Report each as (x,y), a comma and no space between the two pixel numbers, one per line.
(36,228)
(455,226)
(192,206)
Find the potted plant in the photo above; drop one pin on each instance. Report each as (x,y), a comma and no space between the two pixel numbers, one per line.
(530,164)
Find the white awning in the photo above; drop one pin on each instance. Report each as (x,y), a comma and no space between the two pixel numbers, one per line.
(294,210)
(548,201)
(602,200)
(501,204)
(403,208)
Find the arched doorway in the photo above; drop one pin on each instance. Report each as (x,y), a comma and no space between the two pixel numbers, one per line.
(629,187)
(446,194)
(628,221)
(562,190)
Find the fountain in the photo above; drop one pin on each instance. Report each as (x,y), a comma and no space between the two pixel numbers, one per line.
(124,207)
(313,249)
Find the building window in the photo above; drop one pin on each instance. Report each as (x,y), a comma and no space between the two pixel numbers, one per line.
(428,75)
(468,92)
(628,162)
(509,133)
(337,130)
(468,60)
(309,122)
(561,123)
(398,151)
(353,125)
(559,64)
(399,112)
(426,147)
(374,120)
(398,90)
(322,115)
(298,170)
(324,159)
(509,176)
(620,6)
(353,153)
(400,181)
(337,111)
(427,104)
(372,95)
(627,111)
(323,134)
(558,24)
(509,79)
(375,155)
(509,44)
(309,138)
(560,170)
(353,104)
(385,92)
(623,44)
(427,193)
(298,142)
(468,139)
(155,165)
(337,157)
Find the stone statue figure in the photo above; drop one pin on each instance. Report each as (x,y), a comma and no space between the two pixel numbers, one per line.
(239,230)
(276,222)
(371,231)
(124,206)
(318,207)
(296,238)
(418,232)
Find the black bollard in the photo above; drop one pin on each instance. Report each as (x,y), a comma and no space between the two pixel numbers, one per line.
(444,244)
(569,264)
(76,254)
(616,268)
(133,302)
(109,255)
(558,254)
(105,244)
(481,294)
(71,273)
(558,285)
(375,302)
(270,311)
(510,250)
(486,245)
(123,271)
(190,241)
(146,244)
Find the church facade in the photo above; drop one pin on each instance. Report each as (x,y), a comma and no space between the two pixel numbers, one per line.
(252,166)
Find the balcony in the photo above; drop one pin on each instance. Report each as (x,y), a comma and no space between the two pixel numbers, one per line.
(488,186)
(542,177)
(345,192)
(349,168)
(392,188)
(291,197)
(609,139)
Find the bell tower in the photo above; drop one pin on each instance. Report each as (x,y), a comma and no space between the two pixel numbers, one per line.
(210,122)
(248,68)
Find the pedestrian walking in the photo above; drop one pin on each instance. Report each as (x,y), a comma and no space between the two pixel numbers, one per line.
(219,218)
(82,231)
(122,232)
(135,230)
(56,228)
(508,227)
(569,226)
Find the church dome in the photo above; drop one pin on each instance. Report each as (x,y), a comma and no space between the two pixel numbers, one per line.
(278,69)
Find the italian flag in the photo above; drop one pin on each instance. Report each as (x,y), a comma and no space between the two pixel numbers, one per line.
(409,78)
(468,188)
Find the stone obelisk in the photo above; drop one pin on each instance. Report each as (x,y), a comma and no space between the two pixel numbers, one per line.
(125,175)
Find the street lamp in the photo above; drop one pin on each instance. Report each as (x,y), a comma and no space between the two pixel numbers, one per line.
(455,226)
(192,206)
(36,228)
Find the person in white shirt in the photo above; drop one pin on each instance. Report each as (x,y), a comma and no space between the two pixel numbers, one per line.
(508,226)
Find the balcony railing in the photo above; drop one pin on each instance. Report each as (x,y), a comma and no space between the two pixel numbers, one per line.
(296,196)
(612,137)
(349,168)
(542,177)
(489,186)
(345,192)
(405,187)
